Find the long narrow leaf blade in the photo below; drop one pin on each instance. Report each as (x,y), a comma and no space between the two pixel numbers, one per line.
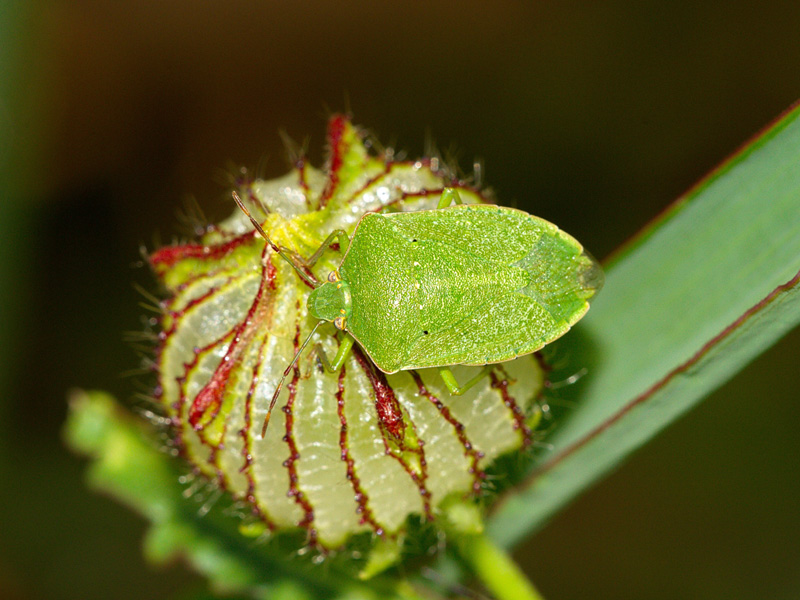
(707,288)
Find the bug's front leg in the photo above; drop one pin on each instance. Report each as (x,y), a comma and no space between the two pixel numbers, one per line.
(341,355)
(338,235)
(452,385)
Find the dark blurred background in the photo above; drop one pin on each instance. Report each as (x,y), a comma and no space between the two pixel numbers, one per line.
(594,115)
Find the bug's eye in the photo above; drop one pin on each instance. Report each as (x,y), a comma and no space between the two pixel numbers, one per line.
(333,276)
(340,323)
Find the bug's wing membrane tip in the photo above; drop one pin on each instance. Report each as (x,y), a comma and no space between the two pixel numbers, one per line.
(591,277)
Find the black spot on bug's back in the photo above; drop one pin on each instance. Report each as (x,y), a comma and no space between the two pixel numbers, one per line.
(425,332)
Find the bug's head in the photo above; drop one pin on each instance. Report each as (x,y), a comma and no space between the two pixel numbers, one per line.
(331,302)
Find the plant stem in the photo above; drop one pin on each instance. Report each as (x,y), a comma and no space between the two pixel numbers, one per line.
(495,568)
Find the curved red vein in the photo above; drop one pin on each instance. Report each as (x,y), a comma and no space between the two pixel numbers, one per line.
(336,129)
(393,422)
(361,496)
(470,452)
(177,315)
(166,335)
(295,492)
(370,182)
(168,256)
(511,403)
(422,193)
(390,415)
(180,403)
(247,442)
(204,276)
(301,167)
(207,403)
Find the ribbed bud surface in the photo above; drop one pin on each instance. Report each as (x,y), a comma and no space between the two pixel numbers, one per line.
(345,452)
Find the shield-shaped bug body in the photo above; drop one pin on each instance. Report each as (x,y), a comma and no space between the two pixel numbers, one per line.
(462,284)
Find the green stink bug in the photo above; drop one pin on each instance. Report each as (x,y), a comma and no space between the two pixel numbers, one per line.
(462,284)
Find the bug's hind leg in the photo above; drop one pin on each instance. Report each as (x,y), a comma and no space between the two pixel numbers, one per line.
(341,355)
(449,196)
(452,385)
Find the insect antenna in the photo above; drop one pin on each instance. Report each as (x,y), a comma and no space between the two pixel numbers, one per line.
(283,378)
(286,256)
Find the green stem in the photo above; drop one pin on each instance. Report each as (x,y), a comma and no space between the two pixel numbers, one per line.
(498,572)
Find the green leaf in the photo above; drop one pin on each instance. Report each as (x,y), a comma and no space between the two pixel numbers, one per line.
(687,304)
